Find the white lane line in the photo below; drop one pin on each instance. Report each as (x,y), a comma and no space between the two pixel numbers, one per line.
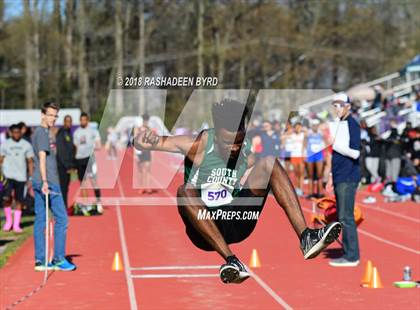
(403,247)
(130,284)
(177,267)
(167,276)
(142,201)
(132,201)
(264,285)
(269,290)
(373,236)
(127,271)
(405,217)
(204,275)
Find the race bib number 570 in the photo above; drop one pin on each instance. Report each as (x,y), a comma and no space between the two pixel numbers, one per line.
(216,194)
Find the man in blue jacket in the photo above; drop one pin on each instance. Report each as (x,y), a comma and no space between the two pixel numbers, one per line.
(346,177)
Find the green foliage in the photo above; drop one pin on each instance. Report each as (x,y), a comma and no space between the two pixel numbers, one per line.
(13,241)
(253,44)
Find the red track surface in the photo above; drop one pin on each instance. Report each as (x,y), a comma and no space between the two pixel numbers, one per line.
(154,236)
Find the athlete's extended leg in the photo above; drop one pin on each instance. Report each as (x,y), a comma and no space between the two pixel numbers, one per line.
(312,241)
(268,171)
(189,204)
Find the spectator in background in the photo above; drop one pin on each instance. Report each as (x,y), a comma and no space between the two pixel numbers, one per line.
(254,134)
(377,102)
(45,181)
(144,158)
(111,143)
(393,153)
(86,140)
(297,156)
(373,152)
(407,138)
(26,131)
(287,146)
(270,141)
(315,145)
(409,169)
(364,136)
(417,103)
(327,152)
(277,127)
(16,159)
(346,177)
(415,150)
(65,156)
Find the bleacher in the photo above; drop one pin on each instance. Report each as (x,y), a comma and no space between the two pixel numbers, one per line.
(399,85)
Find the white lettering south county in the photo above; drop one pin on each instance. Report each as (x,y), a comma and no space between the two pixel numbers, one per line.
(223,175)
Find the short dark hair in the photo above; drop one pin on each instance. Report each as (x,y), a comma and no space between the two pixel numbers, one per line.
(229,114)
(68,116)
(21,125)
(146,117)
(13,127)
(49,105)
(84,114)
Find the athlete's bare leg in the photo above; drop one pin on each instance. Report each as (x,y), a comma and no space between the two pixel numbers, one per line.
(268,170)
(189,204)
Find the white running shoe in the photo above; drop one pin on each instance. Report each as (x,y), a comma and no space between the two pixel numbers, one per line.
(99,208)
(342,262)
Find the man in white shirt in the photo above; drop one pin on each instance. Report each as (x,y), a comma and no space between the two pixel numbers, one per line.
(86,140)
(16,160)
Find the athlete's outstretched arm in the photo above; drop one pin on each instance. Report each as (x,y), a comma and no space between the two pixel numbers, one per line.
(148,140)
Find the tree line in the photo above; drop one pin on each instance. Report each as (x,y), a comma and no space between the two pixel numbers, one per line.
(74,50)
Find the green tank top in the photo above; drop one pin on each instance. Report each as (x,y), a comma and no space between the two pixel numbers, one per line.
(214,170)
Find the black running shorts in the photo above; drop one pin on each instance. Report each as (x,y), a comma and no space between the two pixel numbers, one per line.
(84,165)
(234,229)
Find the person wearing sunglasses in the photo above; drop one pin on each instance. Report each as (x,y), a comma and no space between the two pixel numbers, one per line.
(345,177)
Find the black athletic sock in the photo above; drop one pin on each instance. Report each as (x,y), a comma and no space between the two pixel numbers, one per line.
(230,258)
(97,193)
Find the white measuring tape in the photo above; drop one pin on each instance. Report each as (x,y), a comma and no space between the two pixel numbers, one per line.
(48,231)
(47,235)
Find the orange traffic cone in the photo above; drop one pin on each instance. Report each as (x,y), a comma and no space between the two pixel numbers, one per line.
(367,276)
(255,260)
(117,264)
(376,280)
